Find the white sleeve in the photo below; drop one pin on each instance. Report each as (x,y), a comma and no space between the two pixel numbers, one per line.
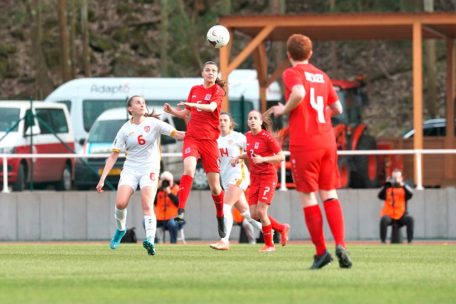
(119,142)
(242,141)
(165,128)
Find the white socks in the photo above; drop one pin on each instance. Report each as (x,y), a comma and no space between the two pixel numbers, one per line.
(254,223)
(121,217)
(228,217)
(249,232)
(150,225)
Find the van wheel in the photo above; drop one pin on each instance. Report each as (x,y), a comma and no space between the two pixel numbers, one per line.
(65,182)
(20,184)
(200,180)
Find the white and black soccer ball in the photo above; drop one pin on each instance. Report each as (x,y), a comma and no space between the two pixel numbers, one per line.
(218,36)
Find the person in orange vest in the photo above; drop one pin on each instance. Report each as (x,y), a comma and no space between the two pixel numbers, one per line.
(166,204)
(395,193)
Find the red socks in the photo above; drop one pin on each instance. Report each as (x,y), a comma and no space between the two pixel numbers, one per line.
(335,218)
(184,190)
(275,224)
(314,221)
(267,235)
(218,201)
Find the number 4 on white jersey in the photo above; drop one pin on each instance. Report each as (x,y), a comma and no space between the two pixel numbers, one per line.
(318,105)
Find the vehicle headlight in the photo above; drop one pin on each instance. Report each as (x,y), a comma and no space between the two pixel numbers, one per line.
(7,150)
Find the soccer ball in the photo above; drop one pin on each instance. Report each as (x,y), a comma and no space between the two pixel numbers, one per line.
(218,36)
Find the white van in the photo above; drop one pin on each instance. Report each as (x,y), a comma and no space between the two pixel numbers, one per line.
(87,98)
(99,141)
(41,128)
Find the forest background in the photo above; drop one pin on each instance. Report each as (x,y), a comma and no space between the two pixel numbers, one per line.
(44,43)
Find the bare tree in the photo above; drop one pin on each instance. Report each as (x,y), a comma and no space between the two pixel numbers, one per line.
(164,36)
(85,37)
(64,41)
(333,54)
(73,12)
(431,70)
(43,83)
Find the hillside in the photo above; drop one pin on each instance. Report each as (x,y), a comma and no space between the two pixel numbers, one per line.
(125,39)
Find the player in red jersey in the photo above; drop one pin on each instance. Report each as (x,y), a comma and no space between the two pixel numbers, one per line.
(202,111)
(262,150)
(311,100)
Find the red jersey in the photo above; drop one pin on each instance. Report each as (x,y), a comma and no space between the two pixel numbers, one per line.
(310,122)
(202,124)
(262,144)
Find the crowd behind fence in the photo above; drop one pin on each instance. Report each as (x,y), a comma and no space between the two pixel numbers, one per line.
(417,154)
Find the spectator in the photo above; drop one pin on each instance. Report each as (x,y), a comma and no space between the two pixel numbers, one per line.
(166,204)
(395,193)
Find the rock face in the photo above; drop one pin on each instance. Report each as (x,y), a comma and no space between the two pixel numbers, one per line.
(125,40)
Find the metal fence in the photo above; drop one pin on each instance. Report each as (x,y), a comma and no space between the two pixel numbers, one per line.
(417,154)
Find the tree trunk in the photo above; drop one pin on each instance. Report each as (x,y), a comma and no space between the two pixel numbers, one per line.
(431,70)
(278,7)
(43,83)
(164,36)
(333,53)
(85,37)
(73,18)
(64,41)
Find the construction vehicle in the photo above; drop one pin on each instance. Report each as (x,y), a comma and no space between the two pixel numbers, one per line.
(356,171)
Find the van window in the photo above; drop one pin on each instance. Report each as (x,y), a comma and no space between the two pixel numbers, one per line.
(91,109)
(8,118)
(51,120)
(67,103)
(105,130)
(240,111)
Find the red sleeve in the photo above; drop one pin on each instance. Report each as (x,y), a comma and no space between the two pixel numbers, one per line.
(273,144)
(332,95)
(291,78)
(189,98)
(218,95)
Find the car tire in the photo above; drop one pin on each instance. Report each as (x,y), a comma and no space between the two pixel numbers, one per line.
(20,183)
(65,182)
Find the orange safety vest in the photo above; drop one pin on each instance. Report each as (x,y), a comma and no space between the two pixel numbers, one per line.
(164,207)
(394,206)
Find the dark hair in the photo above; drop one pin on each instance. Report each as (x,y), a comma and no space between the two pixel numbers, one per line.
(299,47)
(218,81)
(130,99)
(233,123)
(266,118)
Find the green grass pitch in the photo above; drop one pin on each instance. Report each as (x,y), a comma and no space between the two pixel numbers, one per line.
(92,273)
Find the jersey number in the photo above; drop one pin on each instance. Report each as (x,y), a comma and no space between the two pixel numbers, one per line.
(224,152)
(266,190)
(317,104)
(141,140)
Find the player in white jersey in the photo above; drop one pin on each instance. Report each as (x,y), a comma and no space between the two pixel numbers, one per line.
(140,137)
(235,179)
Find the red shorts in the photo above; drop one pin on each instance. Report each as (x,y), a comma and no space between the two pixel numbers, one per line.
(262,189)
(315,169)
(205,149)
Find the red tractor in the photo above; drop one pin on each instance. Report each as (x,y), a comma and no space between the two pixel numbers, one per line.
(356,171)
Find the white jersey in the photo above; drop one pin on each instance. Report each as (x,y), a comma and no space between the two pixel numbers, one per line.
(231,146)
(142,144)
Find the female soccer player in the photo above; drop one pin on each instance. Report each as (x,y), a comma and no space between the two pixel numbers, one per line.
(140,138)
(262,150)
(311,100)
(235,180)
(202,111)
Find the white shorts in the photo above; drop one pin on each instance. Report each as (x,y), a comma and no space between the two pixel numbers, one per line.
(237,180)
(134,178)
